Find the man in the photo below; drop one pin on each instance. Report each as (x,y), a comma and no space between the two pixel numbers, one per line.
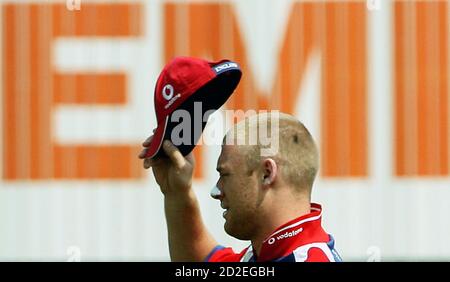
(266,197)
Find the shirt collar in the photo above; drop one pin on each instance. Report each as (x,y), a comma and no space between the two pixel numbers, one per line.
(289,236)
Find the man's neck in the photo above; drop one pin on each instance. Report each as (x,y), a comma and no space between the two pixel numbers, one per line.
(276,217)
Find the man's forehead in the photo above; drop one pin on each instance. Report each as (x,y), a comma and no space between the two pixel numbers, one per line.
(227,154)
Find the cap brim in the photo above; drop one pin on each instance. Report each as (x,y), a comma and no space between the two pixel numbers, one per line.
(158,138)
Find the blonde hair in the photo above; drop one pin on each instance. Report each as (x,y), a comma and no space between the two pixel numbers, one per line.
(297,155)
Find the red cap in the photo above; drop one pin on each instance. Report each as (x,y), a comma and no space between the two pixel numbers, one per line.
(184,81)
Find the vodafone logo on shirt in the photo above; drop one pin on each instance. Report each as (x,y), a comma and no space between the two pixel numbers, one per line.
(285,235)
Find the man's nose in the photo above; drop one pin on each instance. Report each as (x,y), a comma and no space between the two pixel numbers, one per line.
(216,193)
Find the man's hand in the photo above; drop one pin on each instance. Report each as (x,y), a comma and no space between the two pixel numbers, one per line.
(173,174)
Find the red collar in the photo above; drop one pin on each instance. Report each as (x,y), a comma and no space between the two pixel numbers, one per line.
(285,239)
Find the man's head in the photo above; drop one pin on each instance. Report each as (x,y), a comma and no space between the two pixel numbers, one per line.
(255,185)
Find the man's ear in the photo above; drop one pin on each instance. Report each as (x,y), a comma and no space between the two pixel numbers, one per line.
(270,171)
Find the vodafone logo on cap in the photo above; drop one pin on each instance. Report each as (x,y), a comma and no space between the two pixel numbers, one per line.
(167,92)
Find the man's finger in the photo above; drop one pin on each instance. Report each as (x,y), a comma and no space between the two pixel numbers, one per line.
(147,141)
(147,163)
(190,158)
(174,154)
(143,153)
